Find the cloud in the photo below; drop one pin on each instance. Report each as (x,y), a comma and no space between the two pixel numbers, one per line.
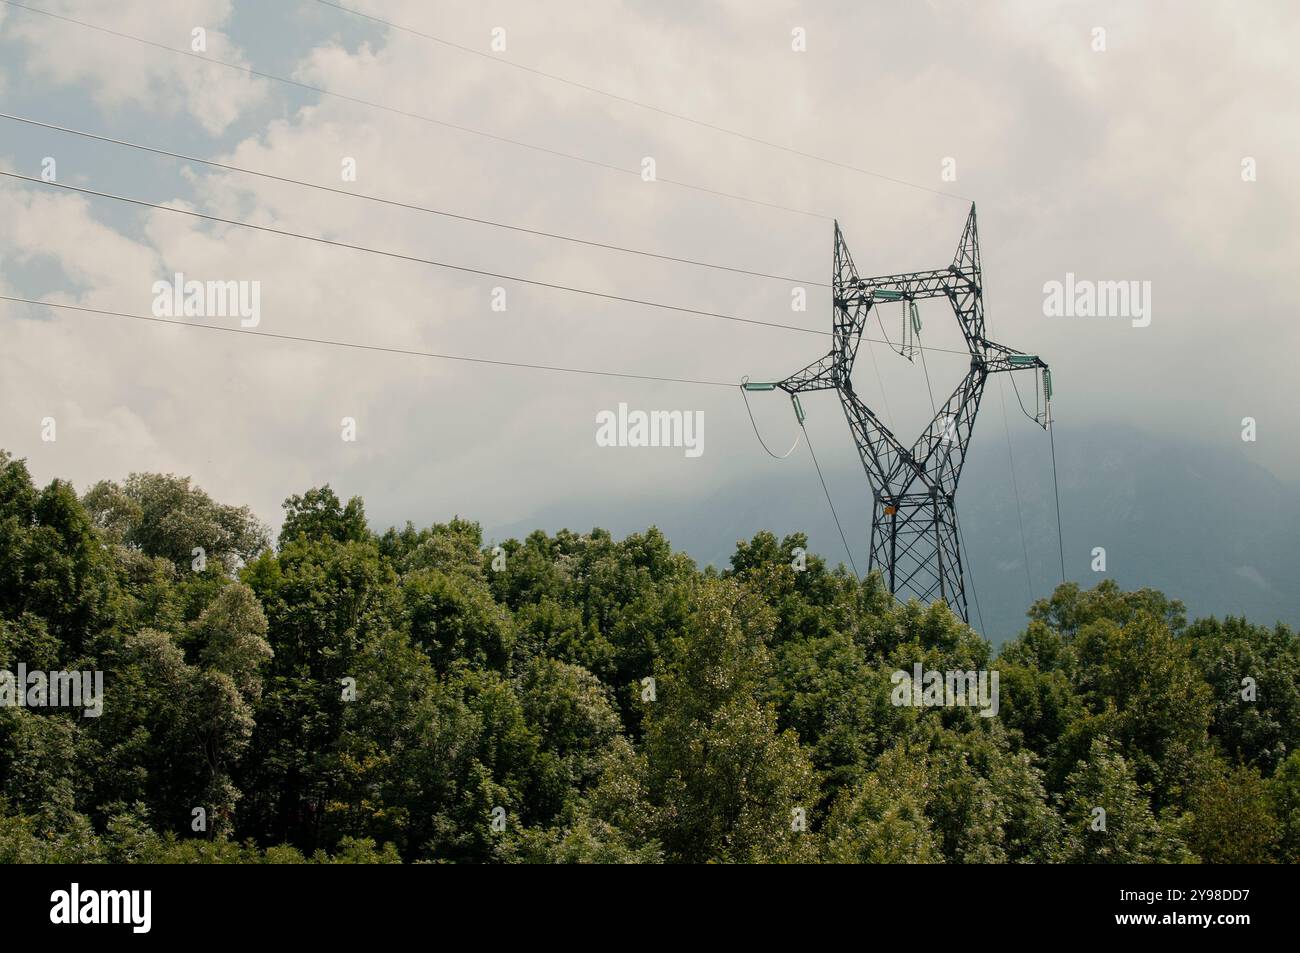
(1101,164)
(120,72)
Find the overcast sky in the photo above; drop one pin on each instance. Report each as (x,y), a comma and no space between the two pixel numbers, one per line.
(1122,164)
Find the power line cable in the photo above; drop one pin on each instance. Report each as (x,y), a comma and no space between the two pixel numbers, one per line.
(761,442)
(961,540)
(638,103)
(414,258)
(934,412)
(880,381)
(1056,488)
(1015,488)
(1011,460)
(608,296)
(322,91)
(885,334)
(838,526)
(1021,402)
(405,205)
(363,347)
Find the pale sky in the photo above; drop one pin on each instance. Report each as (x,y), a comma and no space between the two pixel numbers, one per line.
(1119,164)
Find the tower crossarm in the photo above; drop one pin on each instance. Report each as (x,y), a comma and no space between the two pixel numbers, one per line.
(908,286)
(999,357)
(819,375)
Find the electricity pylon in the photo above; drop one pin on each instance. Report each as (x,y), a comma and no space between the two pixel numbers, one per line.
(914,537)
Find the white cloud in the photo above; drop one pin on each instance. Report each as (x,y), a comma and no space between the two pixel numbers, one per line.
(1079,164)
(122,72)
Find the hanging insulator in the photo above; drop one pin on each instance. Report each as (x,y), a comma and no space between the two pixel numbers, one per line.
(1047,383)
(916,317)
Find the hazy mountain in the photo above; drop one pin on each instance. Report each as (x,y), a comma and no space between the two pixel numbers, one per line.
(1206,525)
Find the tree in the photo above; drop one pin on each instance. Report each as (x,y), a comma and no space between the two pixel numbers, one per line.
(231,639)
(455,618)
(318,515)
(837,702)
(52,563)
(726,781)
(810,601)
(882,819)
(1284,804)
(573,715)
(165,516)
(419,696)
(1139,683)
(1231,820)
(1127,832)
(1070,608)
(326,603)
(170,735)
(453,548)
(1254,677)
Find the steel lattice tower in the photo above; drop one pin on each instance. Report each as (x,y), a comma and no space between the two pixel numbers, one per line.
(914,536)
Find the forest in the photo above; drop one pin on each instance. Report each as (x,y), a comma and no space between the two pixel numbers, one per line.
(337,695)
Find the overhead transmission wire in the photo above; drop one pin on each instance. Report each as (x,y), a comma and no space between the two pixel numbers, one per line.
(1046,423)
(761,442)
(929,390)
(331,342)
(1023,409)
(638,103)
(1056,488)
(970,569)
(838,525)
(1015,488)
(881,381)
(322,91)
(229,167)
(336,243)
(1011,462)
(608,296)
(961,541)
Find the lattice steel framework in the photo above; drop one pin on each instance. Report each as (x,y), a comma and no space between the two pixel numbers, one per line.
(914,538)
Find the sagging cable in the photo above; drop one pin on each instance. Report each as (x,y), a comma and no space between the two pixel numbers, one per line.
(745,387)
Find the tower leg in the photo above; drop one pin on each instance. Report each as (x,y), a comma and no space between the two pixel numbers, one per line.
(914,543)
